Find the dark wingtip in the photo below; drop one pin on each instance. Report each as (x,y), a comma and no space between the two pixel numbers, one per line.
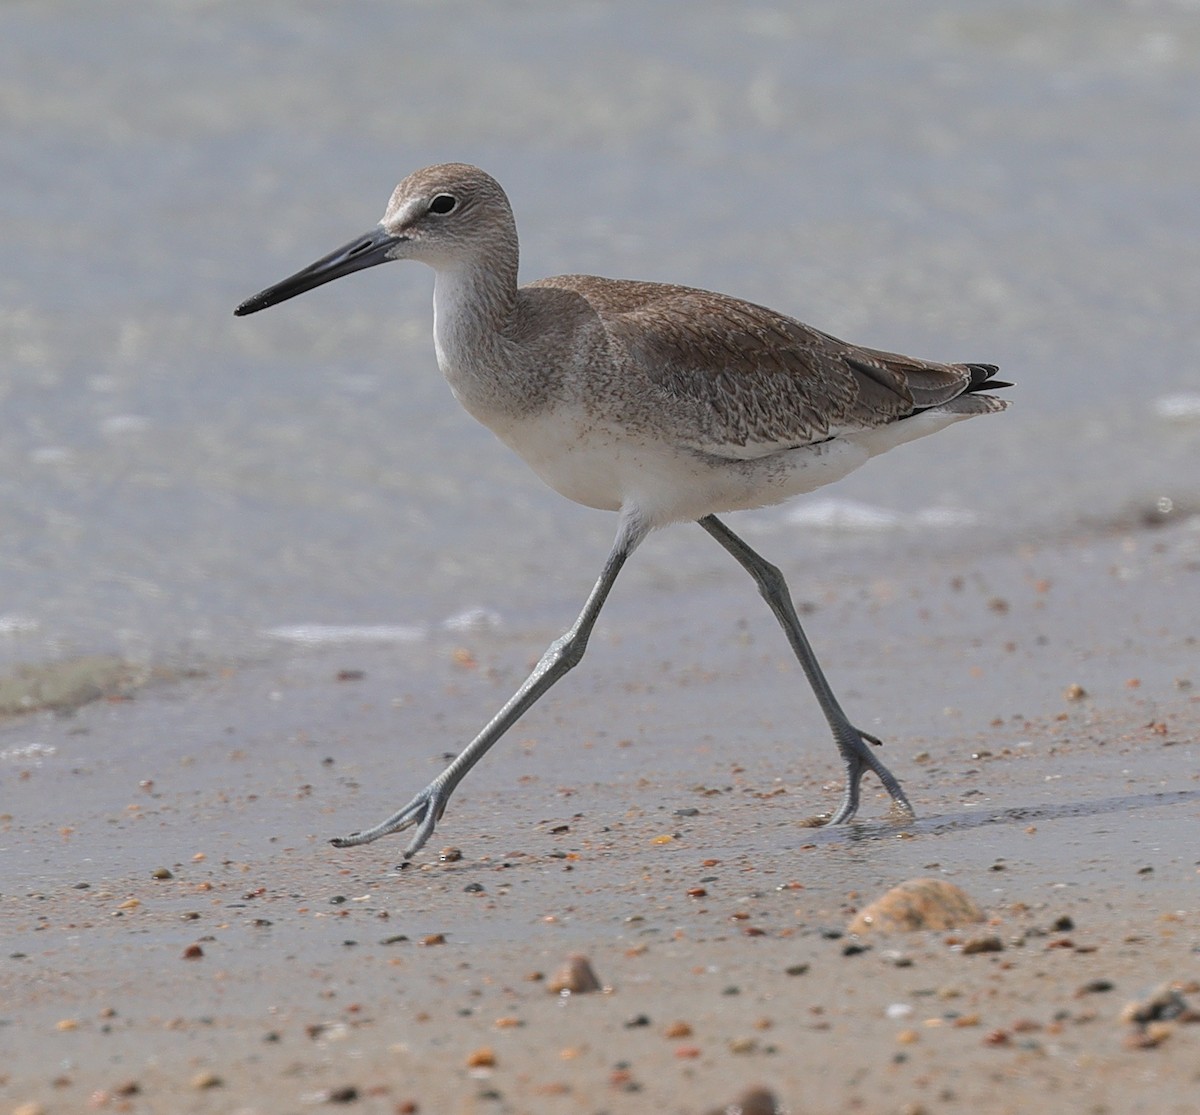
(981,376)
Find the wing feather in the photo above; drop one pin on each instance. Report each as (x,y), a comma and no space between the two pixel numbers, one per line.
(741,381)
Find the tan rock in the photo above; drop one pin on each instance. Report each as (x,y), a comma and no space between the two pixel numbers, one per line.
(917,904)
(575,977)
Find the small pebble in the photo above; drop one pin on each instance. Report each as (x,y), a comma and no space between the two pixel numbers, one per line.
(989,943)
(677,1030)
(623,1080)
(753,1101)
(575,977)
(206,1079)
(193,952)
(1163,1003)
(347,1094)
(482,1058)
(162,873)
(1149,1037)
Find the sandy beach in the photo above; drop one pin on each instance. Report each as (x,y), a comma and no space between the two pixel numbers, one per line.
(190,943)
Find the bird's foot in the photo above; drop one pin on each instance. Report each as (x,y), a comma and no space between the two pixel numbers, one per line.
(424,811)
(859,758)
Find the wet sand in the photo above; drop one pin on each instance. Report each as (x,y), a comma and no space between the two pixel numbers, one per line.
(179,937)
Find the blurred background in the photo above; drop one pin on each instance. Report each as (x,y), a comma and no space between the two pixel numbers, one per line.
(993,180)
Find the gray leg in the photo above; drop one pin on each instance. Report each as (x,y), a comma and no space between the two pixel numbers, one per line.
(855,753)
(426,809)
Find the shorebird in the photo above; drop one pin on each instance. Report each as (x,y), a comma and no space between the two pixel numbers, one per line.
(663,403)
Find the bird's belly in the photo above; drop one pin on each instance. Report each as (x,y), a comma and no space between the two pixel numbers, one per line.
(612,469)
(577,462)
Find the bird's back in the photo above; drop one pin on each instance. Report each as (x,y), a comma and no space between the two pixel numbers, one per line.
(734,379)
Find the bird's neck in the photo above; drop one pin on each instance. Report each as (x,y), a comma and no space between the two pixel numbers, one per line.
(474,314)
(472,306)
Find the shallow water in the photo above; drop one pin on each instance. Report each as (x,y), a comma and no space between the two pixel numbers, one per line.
(988,181)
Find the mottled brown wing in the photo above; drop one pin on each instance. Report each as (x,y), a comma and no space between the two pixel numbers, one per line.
(743,381)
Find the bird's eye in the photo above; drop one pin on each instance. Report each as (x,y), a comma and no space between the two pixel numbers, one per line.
(443,203)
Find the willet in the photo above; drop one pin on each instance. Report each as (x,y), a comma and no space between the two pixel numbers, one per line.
(662,403)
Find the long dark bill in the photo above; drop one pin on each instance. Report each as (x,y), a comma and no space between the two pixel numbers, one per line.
(366,251)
